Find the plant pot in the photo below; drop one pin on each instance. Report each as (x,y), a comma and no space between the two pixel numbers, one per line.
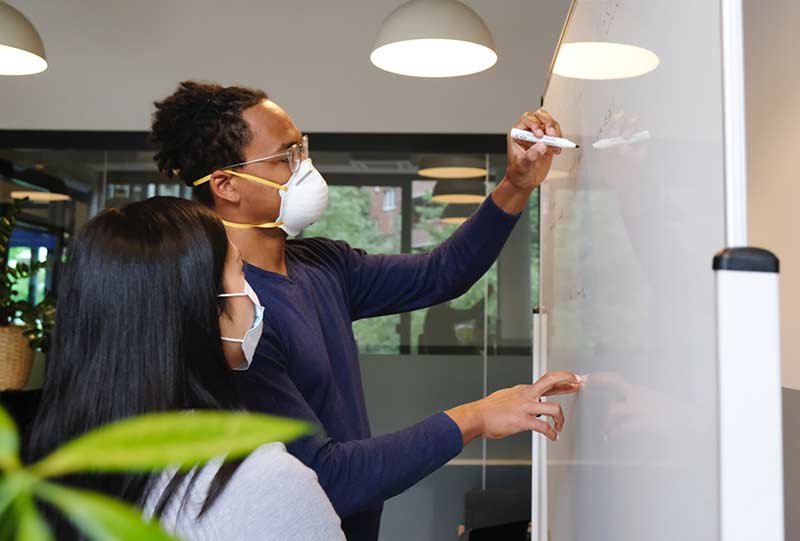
(16,358)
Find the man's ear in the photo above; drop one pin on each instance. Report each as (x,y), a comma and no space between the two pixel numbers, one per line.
(223,186)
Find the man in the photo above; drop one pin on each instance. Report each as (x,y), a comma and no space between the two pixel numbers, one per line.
(246,159)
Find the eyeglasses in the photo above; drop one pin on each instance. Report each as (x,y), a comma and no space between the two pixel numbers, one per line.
(294,156)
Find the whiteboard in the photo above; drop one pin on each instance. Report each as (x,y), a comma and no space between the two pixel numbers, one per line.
(628,232)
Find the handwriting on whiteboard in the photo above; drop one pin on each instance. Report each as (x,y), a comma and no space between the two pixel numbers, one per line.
(578,295)
(609,14)
(608,117)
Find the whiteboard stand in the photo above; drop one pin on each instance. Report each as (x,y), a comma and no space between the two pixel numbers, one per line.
(748,333)
(751,457)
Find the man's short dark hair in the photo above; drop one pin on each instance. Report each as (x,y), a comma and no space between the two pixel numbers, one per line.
(199,128)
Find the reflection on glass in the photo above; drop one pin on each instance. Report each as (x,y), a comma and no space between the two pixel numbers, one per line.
(377,202)
(450,327)
(367,217)
(459,191)
(457,326)
(40,197)
(601,60)
(452,166)
(610,142)
(457,213)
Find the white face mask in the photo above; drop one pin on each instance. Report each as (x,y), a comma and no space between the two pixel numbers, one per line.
(303,198)
(253,334)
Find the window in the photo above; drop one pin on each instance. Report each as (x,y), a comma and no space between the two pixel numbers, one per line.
(26,246)
(378,202)
(356,215)
(389,200)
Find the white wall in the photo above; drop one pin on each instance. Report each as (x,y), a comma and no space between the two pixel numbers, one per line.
(773,111)
(110,59)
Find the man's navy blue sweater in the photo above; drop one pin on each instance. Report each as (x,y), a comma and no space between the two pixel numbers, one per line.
(307,366)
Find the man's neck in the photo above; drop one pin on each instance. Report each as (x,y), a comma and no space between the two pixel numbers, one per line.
(263,248)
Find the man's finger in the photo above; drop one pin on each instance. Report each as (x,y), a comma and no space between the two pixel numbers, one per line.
(551,409)
(557,129)
(545,119)
(551,379)
(542,427)
(563,388)
(536,151)
(530,122)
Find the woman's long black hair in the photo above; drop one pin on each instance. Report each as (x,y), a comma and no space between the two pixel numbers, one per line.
(137,331)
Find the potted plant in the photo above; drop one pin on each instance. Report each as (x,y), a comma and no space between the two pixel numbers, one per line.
(24,327)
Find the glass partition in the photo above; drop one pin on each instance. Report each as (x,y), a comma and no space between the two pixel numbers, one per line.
(380,200)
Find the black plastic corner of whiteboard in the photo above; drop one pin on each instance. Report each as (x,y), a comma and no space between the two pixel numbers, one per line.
(746,259)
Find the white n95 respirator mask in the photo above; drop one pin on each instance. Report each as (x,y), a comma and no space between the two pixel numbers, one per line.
(303,198)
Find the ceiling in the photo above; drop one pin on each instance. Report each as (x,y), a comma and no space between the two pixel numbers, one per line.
(110,60)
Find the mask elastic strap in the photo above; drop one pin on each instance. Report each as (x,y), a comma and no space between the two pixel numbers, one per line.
(237,340)
(245,176)
(266,225)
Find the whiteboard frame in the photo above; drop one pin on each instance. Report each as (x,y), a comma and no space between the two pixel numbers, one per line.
(733,118)
(539,526)
(567,20)
(539,442)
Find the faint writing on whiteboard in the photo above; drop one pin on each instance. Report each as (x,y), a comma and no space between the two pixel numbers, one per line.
(609,14)
(579,294)
(554,223)
(608,117)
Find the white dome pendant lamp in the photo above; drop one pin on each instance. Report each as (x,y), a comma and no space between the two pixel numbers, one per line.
(21,47)
(434,38)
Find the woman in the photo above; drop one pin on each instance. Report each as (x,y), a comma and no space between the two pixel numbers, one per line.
(153,312)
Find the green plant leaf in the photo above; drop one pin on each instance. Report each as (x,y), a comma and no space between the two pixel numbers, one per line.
(8,525)
(158,440)
(14,485)
(31,526)
(8,491)
(100,517)
(9,442)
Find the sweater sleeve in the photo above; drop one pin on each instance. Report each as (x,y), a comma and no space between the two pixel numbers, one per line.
(389,284)
(356,475)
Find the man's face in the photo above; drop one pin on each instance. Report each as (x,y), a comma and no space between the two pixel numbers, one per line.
(273,132)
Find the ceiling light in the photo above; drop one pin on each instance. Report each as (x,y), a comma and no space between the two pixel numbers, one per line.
(600,60)
(21,47)
(459,191)
(457,213)
(40,197)
(452,166)
(433,38)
